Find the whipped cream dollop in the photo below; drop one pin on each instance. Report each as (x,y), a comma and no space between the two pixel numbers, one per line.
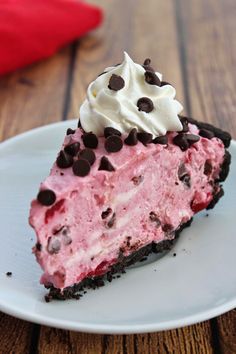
(105,107)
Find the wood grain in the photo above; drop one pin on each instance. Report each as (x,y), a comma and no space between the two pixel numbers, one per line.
(15,335)
(209,50)
(227,332)
(33,96)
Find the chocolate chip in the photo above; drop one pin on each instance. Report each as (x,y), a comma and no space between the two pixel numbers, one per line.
(53,246)
(105,165)
(112,220)
(184,122)
(38,246)
(152,79)
(116,82)
(206,133)
(154,218)
(9,274)
(167,228)
(72,149)
(145,138)
(164,83)
(46,197)
(70,131)
(207,168)
(145,104)
(147,66)
(147,61)
(132,138)
(192,138)
(111,131)
(64,160)
(89,155)
(137,180)
(81,167)
(163,140)
(183,175)
(106,213)
(113,143)
(90,140)
(181,141)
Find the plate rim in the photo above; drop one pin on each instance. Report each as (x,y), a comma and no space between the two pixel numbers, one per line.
(106,328)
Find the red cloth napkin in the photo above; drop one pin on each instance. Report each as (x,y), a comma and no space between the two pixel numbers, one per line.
(34,29)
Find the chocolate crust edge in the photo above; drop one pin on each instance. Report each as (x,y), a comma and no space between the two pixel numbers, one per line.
(123,262)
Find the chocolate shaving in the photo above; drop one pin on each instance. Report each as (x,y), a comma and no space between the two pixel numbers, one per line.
(137,180)
(154,218)
(192,138)
(207,168)
(184,122)
(106,213)
(183,175)
(112,220)
(70,131)
(164,83)
(181,141)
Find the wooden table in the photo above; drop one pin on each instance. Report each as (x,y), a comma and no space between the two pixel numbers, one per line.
(193,43)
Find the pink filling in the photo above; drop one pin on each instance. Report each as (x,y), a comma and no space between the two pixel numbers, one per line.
(76,239)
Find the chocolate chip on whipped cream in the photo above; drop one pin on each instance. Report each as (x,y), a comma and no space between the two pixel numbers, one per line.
(145,104)
(152,79)
(116,82)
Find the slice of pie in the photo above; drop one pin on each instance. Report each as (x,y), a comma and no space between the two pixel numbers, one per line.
(125,182)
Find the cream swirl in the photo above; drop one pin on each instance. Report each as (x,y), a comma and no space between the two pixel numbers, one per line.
(118,109)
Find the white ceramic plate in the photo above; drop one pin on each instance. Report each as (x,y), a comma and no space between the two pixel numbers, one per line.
(197,284)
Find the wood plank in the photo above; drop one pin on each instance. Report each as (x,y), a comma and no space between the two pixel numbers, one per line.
(15,335)
(210,50)
(227,332)
(33,96)
(142,36)
(194,339)
(210,54)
